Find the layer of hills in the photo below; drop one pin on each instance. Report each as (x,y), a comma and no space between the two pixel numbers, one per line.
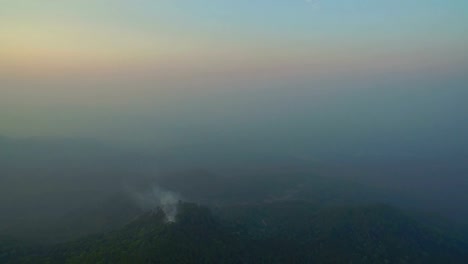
(68,202)
(272,232)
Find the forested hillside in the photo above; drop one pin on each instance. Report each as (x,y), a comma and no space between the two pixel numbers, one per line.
(279,232)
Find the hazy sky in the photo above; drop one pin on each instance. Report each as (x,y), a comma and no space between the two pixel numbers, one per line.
(41,35)
(157,69)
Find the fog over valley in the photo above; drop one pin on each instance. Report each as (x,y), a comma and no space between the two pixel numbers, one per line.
(233,132)
(372,144)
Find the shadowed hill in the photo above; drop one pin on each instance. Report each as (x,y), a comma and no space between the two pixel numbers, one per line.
(279,232)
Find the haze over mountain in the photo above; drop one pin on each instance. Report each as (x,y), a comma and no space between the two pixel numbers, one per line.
(346,112)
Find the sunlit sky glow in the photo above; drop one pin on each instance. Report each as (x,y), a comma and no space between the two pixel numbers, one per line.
(165,56)
(42,35)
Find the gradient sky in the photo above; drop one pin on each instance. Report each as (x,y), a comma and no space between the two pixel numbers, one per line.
(90,67)
(231,34)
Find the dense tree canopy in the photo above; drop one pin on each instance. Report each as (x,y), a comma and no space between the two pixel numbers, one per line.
(280,232)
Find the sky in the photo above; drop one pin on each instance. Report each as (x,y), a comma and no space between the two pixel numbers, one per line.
(98,35)
(234,70)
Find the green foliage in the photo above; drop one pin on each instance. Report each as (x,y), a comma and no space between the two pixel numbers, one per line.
(280,232)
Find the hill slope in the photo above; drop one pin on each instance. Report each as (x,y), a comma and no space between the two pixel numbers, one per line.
(280,232)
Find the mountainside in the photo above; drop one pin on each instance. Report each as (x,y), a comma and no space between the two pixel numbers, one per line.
(280,232)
